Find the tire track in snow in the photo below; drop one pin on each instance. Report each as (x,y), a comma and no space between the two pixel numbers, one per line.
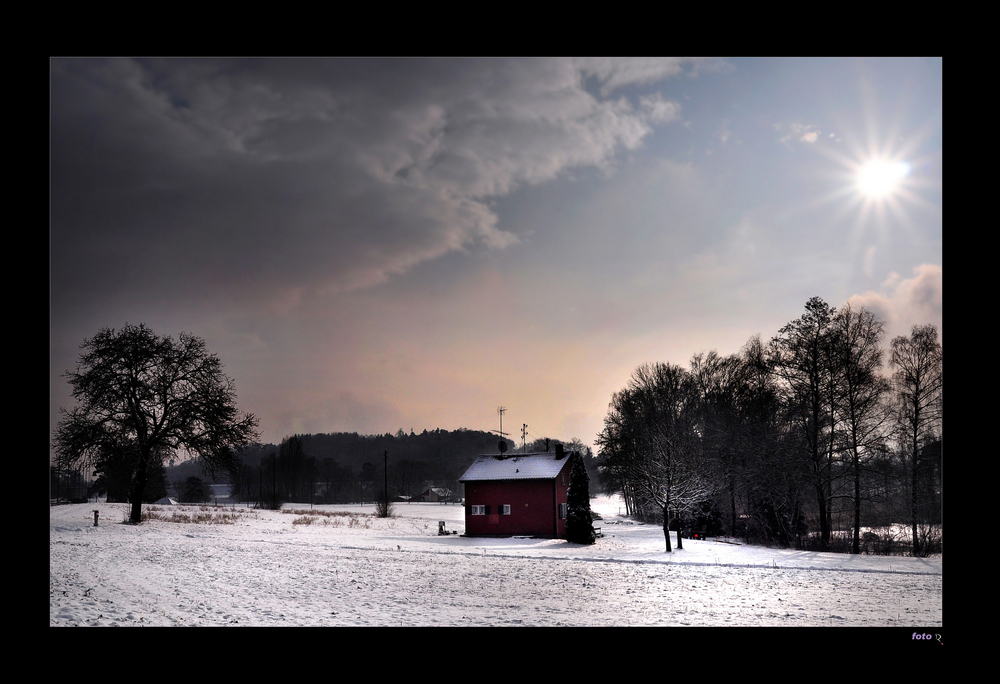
(644,561)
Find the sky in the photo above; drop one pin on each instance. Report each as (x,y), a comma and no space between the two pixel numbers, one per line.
(371,245)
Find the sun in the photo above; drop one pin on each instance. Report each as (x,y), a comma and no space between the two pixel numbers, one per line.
(881,178)
(877,184)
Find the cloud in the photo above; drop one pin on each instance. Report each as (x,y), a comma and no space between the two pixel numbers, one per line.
(659,110)
(905,302)
(616,73)
(796,132)
(314,176)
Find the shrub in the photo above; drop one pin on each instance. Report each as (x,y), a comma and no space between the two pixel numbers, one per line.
(202,515)
(384,507)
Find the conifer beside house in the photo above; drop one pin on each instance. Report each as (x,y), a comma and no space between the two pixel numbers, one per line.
(579,521)
(518,494)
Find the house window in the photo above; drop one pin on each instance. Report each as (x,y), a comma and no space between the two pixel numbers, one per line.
(562,511)
(504,509)
(478,510)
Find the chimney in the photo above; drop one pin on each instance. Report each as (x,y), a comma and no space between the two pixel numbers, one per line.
(559,452)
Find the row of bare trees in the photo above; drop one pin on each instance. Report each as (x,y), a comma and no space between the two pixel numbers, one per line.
(780,440)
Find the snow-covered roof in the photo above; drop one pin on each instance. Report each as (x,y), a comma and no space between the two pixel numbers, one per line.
(515,467)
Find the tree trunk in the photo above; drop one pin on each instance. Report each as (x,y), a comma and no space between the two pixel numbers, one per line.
(824,521)
(138,487)
(666,527)
(856,549)
(913,503)
(732,510)
(796,523)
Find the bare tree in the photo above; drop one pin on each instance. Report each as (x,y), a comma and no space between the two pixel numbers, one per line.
(725,424)
(917,385)
(618,445)
(650,440)
(142,396)
(801,359)
(291,464)
(857,354)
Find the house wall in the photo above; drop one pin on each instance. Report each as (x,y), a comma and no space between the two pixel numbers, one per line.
(534,507)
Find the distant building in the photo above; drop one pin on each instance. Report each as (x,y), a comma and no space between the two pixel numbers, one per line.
(434,494)
(519,494)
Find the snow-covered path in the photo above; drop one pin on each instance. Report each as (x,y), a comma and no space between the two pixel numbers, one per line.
(266,569)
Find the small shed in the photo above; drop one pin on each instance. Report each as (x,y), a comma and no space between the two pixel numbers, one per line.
(517,494)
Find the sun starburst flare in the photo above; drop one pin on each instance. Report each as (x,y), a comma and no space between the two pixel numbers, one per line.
(879,178)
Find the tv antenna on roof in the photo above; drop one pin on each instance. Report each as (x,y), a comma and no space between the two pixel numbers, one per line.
(503,435)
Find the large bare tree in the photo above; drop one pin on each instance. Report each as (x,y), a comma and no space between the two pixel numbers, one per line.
(650,442)
(801,359)
(917,384)
(142,397)
(857,355)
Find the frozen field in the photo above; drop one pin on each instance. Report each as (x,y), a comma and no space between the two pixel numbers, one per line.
(272,568)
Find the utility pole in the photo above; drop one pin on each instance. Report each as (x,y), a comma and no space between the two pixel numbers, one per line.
(524,432)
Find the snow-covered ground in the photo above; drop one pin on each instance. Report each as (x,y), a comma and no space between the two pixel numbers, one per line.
(272,568)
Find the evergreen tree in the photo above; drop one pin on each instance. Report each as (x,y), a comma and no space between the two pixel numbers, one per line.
(579,523)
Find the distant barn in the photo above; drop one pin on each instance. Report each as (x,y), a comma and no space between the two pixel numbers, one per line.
(519,494)
(435,494)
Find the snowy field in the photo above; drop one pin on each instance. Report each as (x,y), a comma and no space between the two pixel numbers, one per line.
(270,568)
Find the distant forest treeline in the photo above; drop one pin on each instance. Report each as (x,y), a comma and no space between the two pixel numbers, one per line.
(346,467)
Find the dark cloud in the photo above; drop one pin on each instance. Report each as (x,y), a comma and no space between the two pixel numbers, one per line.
(240,175)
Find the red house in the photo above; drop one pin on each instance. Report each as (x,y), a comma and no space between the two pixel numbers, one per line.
(519,494)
